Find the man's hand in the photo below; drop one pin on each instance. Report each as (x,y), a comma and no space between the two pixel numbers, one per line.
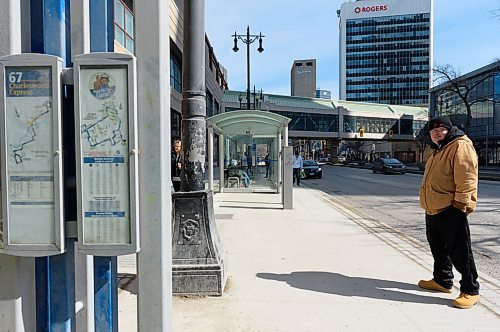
(461,206)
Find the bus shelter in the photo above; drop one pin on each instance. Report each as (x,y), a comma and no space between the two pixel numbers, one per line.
(250,150)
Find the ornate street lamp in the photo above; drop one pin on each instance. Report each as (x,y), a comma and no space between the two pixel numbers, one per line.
(240,98)
(248,39)
(257,97)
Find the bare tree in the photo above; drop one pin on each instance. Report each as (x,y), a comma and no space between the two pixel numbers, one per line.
(461,88)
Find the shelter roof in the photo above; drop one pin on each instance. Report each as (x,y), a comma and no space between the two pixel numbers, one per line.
(260,123)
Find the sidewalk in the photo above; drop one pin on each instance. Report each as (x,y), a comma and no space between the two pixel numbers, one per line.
(318,267)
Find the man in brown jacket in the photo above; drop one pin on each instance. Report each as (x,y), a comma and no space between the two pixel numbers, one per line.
(448,193)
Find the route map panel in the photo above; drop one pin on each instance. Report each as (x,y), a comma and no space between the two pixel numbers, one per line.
(104,153)
(30,154)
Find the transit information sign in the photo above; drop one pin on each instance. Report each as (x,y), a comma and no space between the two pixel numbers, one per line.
(104,155)
(30,152)
(31,161)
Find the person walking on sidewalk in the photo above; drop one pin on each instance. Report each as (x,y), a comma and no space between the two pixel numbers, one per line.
(297,167)
(448,194)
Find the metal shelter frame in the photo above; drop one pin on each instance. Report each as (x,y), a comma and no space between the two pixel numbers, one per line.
(260,124)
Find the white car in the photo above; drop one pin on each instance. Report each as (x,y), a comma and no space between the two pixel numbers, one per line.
(341,159)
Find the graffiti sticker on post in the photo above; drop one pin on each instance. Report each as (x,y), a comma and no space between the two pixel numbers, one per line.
(106,178)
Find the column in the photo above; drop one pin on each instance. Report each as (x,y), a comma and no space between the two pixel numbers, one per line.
(154,261)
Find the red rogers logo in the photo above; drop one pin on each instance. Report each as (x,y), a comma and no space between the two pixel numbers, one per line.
(381,8)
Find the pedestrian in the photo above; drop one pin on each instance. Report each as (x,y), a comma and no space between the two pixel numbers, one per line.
(297,167)
(246,179)
(176,164)
(267,161)
(448,194)
(249,163)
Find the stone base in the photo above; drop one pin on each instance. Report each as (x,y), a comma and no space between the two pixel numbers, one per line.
(200,279)
(198,266)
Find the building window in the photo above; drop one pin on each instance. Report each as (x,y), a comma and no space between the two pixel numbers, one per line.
(124,24)
(216,107)
(209,101)
(311,122)
(175,123)
(175,73)
(496,87)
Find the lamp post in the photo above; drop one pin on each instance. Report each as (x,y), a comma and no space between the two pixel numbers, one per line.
(240,98)
(257,97)
(248,39)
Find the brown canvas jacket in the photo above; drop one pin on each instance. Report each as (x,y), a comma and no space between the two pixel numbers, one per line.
(450,178)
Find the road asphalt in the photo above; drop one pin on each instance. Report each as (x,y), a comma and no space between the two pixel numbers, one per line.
(491,173)
(318,267)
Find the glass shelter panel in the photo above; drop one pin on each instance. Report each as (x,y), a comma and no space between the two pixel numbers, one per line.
(250,163)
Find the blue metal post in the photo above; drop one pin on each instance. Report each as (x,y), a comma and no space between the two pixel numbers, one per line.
(105,268)
(105,294)
(50,28)
(55,286)
(102,34)
(55,298)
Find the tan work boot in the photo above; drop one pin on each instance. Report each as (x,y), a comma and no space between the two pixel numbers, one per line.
(466,301)
(432,285)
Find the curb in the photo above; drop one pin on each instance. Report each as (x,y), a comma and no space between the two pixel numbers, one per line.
(489,176)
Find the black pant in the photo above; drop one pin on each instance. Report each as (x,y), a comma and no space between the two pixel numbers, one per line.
(296,174)
(177,185)
(449,238)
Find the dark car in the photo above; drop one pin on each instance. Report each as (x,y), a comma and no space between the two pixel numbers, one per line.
(388,165)
(312,169)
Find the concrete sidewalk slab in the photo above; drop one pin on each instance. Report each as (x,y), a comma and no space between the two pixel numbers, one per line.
(319,267)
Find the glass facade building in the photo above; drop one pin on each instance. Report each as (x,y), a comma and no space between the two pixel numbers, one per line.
(484,97)
(386,52)
(351,124)
(302,121)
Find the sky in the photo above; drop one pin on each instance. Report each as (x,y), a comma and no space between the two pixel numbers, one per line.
(466,36)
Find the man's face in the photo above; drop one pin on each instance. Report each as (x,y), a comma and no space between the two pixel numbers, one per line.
(177,147)
(438,134)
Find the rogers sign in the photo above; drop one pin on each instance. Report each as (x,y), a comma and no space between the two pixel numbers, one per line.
(380,8)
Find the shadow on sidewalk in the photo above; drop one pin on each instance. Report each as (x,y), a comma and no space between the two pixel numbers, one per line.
(339,284)
(128,282)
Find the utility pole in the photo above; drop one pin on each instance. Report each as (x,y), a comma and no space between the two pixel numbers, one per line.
(198,266)
(193,97)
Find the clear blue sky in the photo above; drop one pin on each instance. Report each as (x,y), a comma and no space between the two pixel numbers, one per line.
(466,35)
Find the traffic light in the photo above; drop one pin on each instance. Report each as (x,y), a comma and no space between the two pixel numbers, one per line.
(390,133)
(361,132)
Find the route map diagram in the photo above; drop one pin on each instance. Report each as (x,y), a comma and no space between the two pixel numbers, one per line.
(105,129)
(28,125)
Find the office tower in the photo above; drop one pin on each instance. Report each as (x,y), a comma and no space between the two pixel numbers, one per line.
(386,51)
(303,75)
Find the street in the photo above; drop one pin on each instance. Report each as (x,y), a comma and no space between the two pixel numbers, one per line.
(393,200)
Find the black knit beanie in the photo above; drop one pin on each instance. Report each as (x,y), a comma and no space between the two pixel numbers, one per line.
(440,121)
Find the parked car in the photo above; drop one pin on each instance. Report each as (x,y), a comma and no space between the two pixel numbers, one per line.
(312,169)
(388,165)
(323,161)
(341,159)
